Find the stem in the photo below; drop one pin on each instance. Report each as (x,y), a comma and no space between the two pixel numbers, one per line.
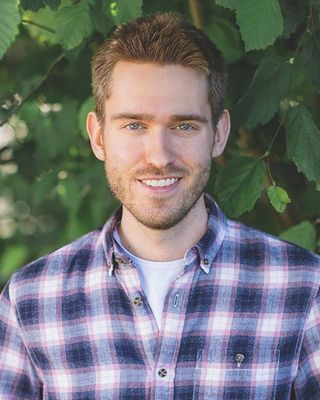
(196,13)
(25,21)
(276,133)
(269,171)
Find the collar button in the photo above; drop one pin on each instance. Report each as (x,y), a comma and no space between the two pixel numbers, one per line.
(137,301)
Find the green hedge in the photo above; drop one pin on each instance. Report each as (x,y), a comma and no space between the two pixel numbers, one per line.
(52,190)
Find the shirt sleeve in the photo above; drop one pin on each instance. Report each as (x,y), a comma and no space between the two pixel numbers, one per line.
(18,378)
(307,382)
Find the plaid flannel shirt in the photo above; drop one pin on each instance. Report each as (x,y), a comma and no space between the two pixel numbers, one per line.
(242,321)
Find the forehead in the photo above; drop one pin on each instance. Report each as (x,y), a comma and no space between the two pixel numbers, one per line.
(146,87)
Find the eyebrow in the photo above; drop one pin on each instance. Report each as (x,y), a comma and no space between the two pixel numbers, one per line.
(149,117)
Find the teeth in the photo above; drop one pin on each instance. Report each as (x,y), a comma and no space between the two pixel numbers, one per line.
(160,182)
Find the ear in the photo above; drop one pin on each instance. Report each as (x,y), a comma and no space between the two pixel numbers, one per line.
(95,133)
(221,134)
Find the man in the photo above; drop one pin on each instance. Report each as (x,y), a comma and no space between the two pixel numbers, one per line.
(170,300)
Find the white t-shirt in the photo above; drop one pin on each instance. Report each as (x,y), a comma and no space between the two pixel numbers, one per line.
(155,278)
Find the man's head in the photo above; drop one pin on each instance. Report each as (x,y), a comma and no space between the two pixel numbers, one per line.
(162,39)
(159,119)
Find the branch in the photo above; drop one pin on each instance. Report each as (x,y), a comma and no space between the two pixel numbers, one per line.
(14,109)
(196,13)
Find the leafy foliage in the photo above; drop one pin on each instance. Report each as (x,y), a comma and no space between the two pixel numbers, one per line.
(74,24)
(302,234)
(54,190)
(279,198)
(126,9)
(9,21)
(269,86)
(255,18)
(303,142)
(244,188)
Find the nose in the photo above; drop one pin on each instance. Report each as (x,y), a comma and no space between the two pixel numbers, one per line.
(158,148)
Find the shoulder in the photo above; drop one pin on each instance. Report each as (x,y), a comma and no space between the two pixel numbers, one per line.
(256,247)
(75,256)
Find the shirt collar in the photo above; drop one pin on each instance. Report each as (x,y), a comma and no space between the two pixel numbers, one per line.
(207,247)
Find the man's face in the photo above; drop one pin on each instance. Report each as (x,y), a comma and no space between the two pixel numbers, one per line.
(157,140)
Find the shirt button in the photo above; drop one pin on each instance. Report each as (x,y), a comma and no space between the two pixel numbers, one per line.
(205,261)
(162,372)
(137,301)
(239,358)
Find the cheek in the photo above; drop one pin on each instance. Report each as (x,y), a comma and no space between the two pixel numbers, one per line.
(122,155)
(197,154)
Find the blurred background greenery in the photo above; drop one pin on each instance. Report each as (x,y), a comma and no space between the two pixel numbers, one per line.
(53,190)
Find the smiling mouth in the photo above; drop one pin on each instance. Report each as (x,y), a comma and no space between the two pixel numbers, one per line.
(160,182)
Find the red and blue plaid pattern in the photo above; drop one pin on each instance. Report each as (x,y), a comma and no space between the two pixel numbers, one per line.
(241,322)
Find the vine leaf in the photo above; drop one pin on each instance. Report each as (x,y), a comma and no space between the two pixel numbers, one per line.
(303,234)
(260,22)
(74,24)
(9,22)
(303,142)
(239,184)
(278,197)
(311,58)
(270,84)
(124,10)
(226,37)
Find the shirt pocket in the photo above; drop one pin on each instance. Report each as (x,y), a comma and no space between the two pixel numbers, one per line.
(237,374)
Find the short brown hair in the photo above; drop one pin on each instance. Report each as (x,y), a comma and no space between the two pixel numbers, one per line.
(160,39)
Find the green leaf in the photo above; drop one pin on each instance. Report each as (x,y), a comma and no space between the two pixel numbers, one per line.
(9,21)
(74,24)
(260,22)
(45,17)
(12,258)
(303,234)
(85,108)
(278,197)
(232,4)
(270,84)
(126,9)
(101,16)
(239,184)
(32,5)
(226,38)
(303,142)
(311,58)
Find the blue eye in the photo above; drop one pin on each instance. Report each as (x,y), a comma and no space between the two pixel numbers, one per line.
(133,126)
(185,127)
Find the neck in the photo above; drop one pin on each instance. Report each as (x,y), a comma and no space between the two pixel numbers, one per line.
(164,245)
